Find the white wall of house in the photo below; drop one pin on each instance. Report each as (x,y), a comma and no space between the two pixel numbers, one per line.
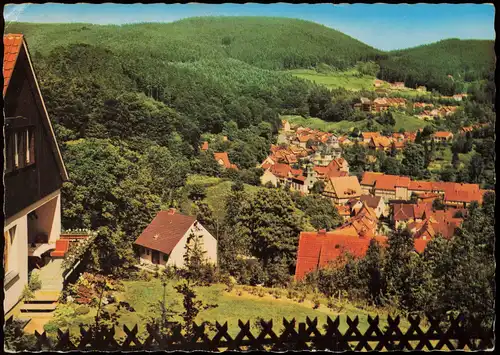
(209,245)
(176,256)
(17,252)
(17,261)
(48,221)
(268,176)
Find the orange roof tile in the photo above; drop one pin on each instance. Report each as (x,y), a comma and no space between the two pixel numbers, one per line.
(12,46)
(223,156)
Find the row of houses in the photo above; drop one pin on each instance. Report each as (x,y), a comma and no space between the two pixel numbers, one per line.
(379,104)
(443,111)
(394,187)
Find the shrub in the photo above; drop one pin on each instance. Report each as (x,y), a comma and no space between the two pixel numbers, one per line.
(316,301)
(27,294)
(261,292)
(35,283)
(239,293)
(277,294)
(81,310)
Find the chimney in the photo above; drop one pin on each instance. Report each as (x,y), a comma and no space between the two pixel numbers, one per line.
(171,211)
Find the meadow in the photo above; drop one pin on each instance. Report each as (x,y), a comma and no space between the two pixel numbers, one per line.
(246,303)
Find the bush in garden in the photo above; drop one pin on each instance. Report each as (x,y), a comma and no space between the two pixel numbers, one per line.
(81,310)
(27,294)
(239,293)
(261,292)
(35,283)
(277,294)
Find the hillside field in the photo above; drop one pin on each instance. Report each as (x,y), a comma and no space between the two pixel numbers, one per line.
(350,79)
(238,304)
(409,123)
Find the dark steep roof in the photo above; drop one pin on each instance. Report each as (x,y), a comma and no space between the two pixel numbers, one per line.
(165,231)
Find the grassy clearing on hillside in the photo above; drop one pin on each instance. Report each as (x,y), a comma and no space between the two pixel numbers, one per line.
(317,123)
(349,80)
(231,307)
(409,123)
(217,190)
(444,156)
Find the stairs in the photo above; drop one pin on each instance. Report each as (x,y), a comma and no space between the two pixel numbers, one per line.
(38,311)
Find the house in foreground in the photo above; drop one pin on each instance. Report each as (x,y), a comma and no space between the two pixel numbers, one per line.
(34,172)
(164,240)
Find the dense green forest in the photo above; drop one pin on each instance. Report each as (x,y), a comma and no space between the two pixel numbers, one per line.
(277,43)
(265,42)
(466,61)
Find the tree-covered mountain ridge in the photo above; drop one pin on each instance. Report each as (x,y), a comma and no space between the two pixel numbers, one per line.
(266,42)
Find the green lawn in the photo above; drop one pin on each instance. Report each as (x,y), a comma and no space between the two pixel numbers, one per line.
(409,123)
(345,79)
(231,307)
(317,123)
(444,156)
(217,189)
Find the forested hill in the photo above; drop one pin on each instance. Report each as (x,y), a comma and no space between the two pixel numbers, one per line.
(464,60)
(265,42)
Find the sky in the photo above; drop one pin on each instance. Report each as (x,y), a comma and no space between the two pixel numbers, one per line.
(383,26)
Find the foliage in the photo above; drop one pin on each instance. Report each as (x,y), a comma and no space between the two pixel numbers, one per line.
(192,307)
(34,283)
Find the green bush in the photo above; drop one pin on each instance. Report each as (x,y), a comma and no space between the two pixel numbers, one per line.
(261,292)
(35,283)
(27,294)
(81,310)
(277,294)
(302,297)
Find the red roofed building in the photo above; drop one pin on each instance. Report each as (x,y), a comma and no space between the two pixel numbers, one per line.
(223,159)
(367,136)
(204,146)
(442,136)
(164,240)
(317,249)
(392,187)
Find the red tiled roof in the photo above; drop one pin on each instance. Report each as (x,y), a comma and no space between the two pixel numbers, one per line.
(225,160)
(369,135)
(420,186)
(402,211)
(281,170)
(204,147)
(390,182)
(12,46)
(165,231)
(371,201)
(370,177)
(317,250)
(443,134)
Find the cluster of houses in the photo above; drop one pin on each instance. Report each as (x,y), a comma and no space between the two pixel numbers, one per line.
(430,113)
(303,157)
(379,104)
(395,199)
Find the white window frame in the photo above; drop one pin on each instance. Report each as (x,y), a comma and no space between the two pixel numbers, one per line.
(16,153)
(27,146)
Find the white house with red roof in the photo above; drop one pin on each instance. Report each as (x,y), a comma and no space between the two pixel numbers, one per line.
(164,240)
